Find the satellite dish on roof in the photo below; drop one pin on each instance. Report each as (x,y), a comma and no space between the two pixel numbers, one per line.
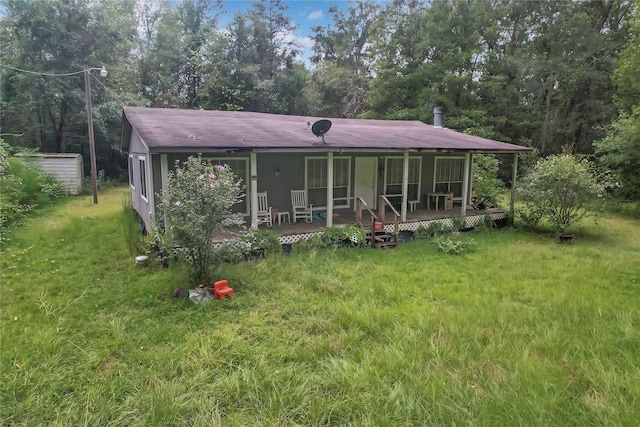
(320,128)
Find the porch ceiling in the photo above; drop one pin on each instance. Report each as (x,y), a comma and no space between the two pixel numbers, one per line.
(165,130)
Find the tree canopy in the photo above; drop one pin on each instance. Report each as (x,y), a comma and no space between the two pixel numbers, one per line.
(542,74)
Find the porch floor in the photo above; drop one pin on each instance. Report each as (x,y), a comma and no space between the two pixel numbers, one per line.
(344,217)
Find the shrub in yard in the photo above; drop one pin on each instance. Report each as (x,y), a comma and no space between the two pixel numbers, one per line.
(197,204)
(432,230)
(23,187)
(563,189)
(459,222)
(455,244)
(255,243)
(486,184)
(620,152)
(258,243)
(335,237)
(487,223)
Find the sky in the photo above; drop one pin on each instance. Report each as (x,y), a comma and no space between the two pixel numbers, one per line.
(304,13)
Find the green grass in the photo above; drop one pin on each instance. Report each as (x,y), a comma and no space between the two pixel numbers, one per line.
(522,331)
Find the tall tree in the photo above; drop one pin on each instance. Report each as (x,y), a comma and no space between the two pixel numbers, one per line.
(619,151)
(258,69)
(172,50)
(54,39)
(343,59)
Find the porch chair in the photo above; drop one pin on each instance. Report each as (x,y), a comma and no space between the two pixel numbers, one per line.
(300,207)
(264,210)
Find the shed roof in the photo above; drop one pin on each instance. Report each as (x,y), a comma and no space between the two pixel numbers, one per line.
(52,155)
(164,129)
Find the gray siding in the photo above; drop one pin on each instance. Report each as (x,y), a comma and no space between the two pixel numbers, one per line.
(137,152)
(278,174)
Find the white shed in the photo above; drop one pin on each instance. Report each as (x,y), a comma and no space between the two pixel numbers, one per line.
(66,168)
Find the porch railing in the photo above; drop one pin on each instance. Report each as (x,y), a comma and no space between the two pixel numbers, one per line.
(359,205)
(382,208)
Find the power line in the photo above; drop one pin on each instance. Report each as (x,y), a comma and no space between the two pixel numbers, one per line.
(46,74)
(112,93)
(67,74)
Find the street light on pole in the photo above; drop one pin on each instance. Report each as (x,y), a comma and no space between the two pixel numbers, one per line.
(92,145)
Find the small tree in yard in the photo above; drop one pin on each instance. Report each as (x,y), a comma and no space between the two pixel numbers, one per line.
(197,204)
(486,184)
(562,189)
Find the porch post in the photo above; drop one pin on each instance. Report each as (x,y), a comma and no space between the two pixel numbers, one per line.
(405,185)
(513,184)
(164,177)
(465,184)
(471,175)
(253,206)
(330,189)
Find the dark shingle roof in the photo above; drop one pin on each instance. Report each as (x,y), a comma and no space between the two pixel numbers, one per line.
(193,130)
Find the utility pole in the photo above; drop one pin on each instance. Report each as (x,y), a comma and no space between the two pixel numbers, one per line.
(92,144)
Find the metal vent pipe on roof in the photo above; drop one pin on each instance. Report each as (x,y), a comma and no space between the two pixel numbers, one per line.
(437,117)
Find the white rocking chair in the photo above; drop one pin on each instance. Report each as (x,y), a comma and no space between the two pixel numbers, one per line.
(264,210)
(300,207)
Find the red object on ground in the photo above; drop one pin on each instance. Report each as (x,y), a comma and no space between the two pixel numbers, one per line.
(377,226)
(221,289)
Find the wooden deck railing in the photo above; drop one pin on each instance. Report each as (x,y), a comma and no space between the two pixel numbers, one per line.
(382,207)
(359,204)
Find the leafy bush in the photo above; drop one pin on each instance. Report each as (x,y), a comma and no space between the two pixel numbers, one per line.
(562,189)
(351,235)
(487,223)
(197,205)
(335,237)
(530,215)
(23,187)
(459,222)
(432,230)
(620,152)
(255,243)
(486,184)
(455,244)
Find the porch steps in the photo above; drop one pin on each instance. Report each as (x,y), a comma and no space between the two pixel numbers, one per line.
(383,240)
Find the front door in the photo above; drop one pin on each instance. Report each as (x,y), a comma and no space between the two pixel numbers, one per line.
(365,180)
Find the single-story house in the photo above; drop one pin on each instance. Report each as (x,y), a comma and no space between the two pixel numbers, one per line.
(410,162)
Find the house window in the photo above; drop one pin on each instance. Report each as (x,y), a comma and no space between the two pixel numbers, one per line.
(316,181)
(143,178)
(393,177)
(449,175)
(240,167)
(131,175)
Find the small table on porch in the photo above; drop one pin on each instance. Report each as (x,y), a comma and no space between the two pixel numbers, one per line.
(436,196)
(283,215)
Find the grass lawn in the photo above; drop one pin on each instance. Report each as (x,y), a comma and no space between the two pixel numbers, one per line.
(522,331)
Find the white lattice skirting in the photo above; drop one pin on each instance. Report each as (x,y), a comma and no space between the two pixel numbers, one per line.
(471,221)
